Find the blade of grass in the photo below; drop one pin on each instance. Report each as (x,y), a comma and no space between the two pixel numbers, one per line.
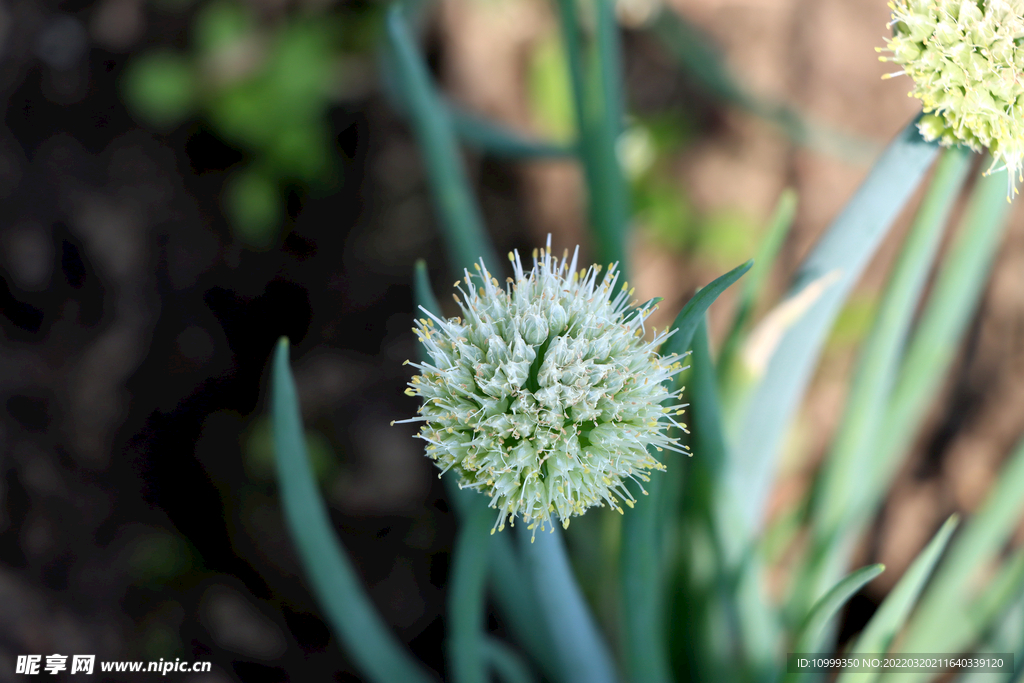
(933,345)
(692,314)
(956,582)
(641,560)
(809,635)
(582,653)
(496,140)
(367,639)
(839,257)
(768,251)
(513,594)
(458,214)
(880,631)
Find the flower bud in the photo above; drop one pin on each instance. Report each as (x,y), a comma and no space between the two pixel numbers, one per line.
(535,329)
(544,416)
(965,59)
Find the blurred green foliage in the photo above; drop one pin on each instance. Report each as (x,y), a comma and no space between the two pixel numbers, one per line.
(854,321)
(648,151)
(258,453)
(266,88)
(157,556)
(548,91)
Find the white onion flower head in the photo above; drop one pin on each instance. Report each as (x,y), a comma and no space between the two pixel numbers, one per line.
(545,395)
(967,66)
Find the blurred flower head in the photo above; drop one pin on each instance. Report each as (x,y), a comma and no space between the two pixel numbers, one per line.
(545,395)
(966,63)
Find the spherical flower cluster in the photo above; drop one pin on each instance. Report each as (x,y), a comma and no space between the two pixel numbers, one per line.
(545,395)
(967,65)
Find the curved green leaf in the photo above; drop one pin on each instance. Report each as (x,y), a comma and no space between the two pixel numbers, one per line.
(692,314)
(892,614)
(809,635)
(365,636)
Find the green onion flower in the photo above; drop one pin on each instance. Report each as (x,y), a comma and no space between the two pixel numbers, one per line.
(967,65)
(545,395)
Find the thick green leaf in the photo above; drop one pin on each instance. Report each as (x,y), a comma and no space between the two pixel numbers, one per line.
(582,652)
(735,631)
(365,636)
(606,183)
(790,352)
(882,351)
(519,608)
(641,561)
(878,635)
(458,214)
(466,609)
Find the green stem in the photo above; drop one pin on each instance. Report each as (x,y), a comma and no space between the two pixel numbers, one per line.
(580,647)
(598,109)
(466,608)
(458,214)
